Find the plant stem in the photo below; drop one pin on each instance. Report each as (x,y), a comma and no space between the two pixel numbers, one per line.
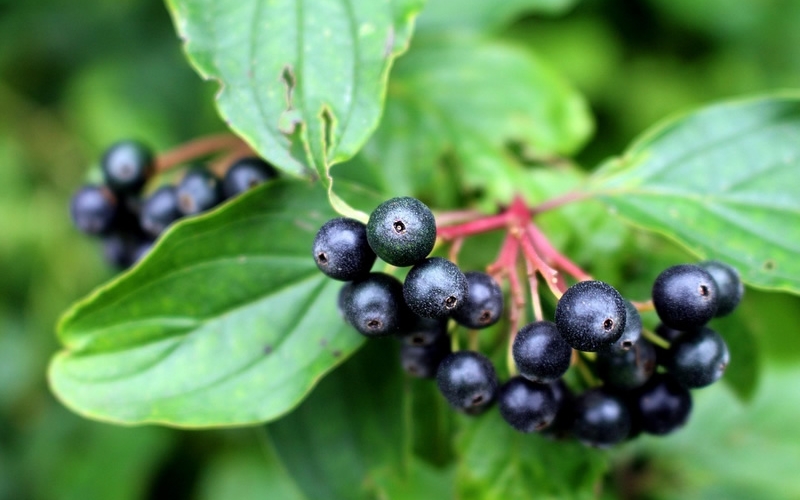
(533,284)
(558,201)
(476,226)
(553,279)
(645,306)
(543,245)
(655,339)
(197,148)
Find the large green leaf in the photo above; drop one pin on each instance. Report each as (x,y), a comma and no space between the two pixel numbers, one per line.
(226,322)
(302,81)
(462,101)
(483,15)
(723,181)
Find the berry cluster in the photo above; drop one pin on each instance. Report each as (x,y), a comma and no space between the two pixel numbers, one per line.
(594,329)
(128,220)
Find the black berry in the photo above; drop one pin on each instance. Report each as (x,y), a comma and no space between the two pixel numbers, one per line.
(422,361)
(662,405)
(632,331)
(198,191)
(126,166)
(423,331)
(698,359)
(565,400)
(527,406)
(685,296)
(341,250)
(540,352)
(122,250)
(402,231)
(467,380)
(93,209)
(729,285)
(627,369)
(435,288)
(590,315)
(374,306)
(484,304)
(159,210)
(602,419)
(245,174)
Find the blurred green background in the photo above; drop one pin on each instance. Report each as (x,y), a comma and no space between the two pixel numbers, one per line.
(75,76)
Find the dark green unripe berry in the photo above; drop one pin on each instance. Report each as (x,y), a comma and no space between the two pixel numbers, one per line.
(662,405)
(198,191)
(590,315)
(627,369)
(540,352)
(698,359)
(127,166)
(435,288)
(602,419)
(245,174)
(159,210)
(685,296)
(484,304)
(527,406)
(467,380)
(402,231)
(341,250)
(93,209)
(374,306)
(729,285)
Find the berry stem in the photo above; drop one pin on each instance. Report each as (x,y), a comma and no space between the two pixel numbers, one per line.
(533,284)
(543,245)
(197,148)
(645,306)
(472,340)
(473,227)
(553,279)
(455,249)
(655,339)
(558,201)
(580,363)
(456,216)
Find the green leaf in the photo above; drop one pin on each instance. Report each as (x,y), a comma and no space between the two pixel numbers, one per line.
(484,15)
(456,106)
(226,322)
(723,182)
(302,82)
(744,370)
(352,437)
(497,462)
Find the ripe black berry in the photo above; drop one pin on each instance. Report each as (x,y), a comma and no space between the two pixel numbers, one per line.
(729,285)
(540,352)
(565,400)
(374,306)
(590,315)
(341,250)
(421,331)
(198,191)
(527,406)
(601,418)
(627,369)
(126,166)
(698,359)
(423,360)
(484,304)
(159,210)
(122,250)
(662,405)
(402,231)
(685,296)
(467,380)
(245,174)
(93,209)
(435,288)
(632,331)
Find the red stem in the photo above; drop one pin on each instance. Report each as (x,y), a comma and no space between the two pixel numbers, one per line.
(560,261)
(476,226)
(558,201)
(553,279)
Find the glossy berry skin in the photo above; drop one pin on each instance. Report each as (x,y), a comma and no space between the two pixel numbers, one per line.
(540,352)
(435,288)
(590,315)
(122,250)
(602,419)
(402,231)
(565,401)
(662,405)
(631,333)
(729,285)
(126,166)
(198,191)
(93,209)
(421,332)
(245,174)
(627,369)
(685,296)
(527,406)
(341,250)
(467,380)
(484,304)
(668,334)
(374,306)
(422,361)
(159,210)
(698,359)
